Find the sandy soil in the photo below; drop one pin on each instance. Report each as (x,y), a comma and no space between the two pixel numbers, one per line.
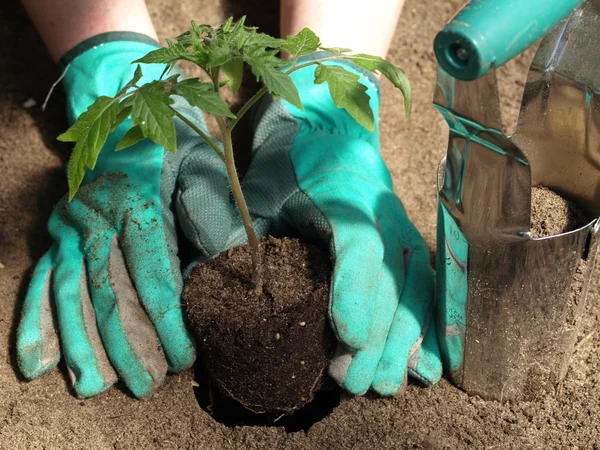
(45,414)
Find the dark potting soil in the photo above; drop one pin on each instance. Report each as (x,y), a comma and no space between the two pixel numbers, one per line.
(270,352)
(551,214)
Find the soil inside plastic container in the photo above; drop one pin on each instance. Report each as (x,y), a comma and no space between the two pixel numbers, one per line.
(269,353)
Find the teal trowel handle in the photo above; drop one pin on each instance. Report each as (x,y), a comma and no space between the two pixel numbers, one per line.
(491,32)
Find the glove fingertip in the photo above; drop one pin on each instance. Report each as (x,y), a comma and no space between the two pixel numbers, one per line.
(143,390)
(90,383)
(428,374)
(357,381)
(184,359)
(386,387)
(38,348)
(428,369)
(84,391)
(354,334)
(355,388)
(390,377)
(338,370)
(338,366)
(31,364)
(352,391)
(177,341)
(35,355)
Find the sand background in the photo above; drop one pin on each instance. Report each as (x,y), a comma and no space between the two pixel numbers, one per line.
(44,413)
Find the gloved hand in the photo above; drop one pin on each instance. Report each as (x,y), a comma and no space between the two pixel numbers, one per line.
(318,173)
(109,288)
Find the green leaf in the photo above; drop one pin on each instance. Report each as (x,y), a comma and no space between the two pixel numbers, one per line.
(128,101)
(234,71)
(165,55)
(228,24)
(348,93)
(198,57)
(242,38)
(336,50)
(390,71)
(152,112)
(196,43)
(239,25)
(203,96)
(193,36)
(96,115)
(264,40)
(217,56)
(185,38)
(304,43)
(122,115)
(132,137)
(137,75)
(277,82)
(89,132)
(199,30)
(265,56)
(168,68)
(168,84)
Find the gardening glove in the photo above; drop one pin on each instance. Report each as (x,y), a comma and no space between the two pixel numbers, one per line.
(109,288)
(318,173)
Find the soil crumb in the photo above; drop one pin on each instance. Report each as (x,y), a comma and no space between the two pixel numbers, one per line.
(551,214)
(270,352)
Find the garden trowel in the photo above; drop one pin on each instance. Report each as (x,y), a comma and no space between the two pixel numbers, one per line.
(509,305)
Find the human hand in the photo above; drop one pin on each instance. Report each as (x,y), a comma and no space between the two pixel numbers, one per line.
(108,291)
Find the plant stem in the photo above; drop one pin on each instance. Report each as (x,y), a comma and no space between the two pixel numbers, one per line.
(240,201)
(238,195)
(214,76)
(228,158)
(316,61)
(201,133)
(246,107)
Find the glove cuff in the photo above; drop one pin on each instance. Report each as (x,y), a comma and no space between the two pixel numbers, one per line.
(102,65)
(103,38)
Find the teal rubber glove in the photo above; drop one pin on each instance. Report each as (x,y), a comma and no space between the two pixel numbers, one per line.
(108,291)
(318,173)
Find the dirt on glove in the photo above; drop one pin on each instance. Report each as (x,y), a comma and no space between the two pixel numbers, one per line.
(268,352)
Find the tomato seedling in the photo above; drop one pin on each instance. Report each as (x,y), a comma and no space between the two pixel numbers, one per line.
(221,50)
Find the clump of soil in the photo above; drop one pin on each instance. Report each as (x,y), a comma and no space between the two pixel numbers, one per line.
(270,352)
(551,214)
